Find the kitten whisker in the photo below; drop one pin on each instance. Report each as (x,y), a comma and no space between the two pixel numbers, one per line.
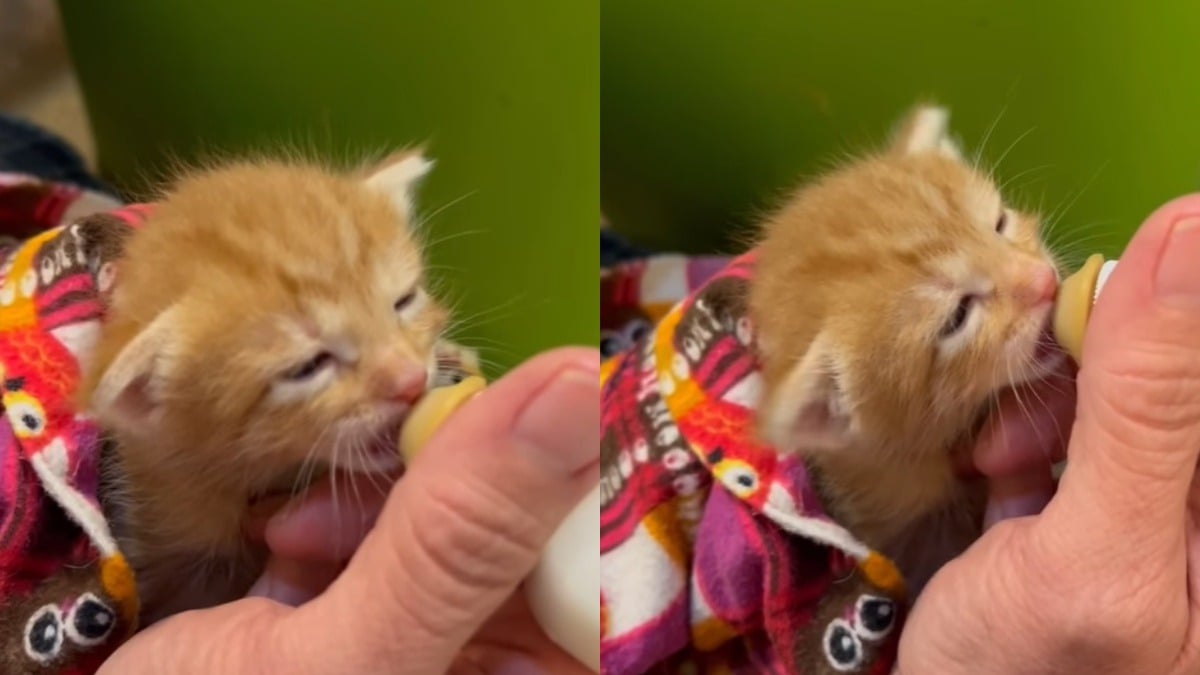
(359,453)
(1062,211)
(451,237)
(1061,438)
(975,161)
(427,218)
(1020,174)
(1000,161)
(1017,390)
(308,467)
(333,480)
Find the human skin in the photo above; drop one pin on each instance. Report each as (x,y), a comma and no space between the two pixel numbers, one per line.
(433,563)
(1106,577)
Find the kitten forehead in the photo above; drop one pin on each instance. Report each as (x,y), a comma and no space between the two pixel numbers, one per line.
(399,273)
(981,201)
(322,325)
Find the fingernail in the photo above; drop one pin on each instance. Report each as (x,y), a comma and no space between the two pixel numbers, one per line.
(279,591)
(1016,506)
(561,424)
(1178,279)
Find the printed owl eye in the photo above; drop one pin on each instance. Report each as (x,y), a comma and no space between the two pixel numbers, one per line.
(636,330)
(90,621)
(843,649)
(612,343)
(741,479)
(874,617)
(27,418)
(43,639)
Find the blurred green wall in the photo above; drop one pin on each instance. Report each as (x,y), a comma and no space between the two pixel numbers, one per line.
(710,109)
(507,93)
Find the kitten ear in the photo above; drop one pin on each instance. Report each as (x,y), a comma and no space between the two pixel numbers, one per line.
(809,410)
(397,178)
(924,130)
(129,391)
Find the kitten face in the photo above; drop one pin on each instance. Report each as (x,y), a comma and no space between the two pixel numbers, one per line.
(270,315)
(895,296)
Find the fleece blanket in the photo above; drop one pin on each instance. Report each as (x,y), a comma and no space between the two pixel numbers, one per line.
(67,596)
(716,555)
(638,289)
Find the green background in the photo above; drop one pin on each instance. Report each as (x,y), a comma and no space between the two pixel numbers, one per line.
(710,108)
(506,93)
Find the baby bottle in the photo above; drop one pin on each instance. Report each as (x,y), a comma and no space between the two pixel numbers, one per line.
(563,590)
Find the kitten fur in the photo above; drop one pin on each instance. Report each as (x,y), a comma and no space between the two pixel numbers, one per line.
(860,278)
(269,320)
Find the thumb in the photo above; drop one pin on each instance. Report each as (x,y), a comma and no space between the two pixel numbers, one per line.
(463,527)
(1136,437)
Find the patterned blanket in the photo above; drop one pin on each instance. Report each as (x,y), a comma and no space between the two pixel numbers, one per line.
(716,555)
(67,596)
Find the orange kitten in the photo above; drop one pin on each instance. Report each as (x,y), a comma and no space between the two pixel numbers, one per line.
(267,315)
(893,299)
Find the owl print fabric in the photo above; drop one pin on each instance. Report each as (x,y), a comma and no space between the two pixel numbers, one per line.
(716,555)
(67,597)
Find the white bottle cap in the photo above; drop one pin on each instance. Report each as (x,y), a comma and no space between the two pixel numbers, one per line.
(1105,270)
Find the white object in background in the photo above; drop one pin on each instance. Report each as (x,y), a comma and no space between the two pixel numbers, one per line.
(564,589)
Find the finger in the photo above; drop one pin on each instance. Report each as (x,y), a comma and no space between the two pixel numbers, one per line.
(512,642)
(238,637)
(465,525)
(1136,436)
(330,521)
(1030,427)
(294,582)
(1018,495)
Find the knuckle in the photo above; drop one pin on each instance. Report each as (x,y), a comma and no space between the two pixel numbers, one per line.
(1149,386)
(1110,612)
(475,536)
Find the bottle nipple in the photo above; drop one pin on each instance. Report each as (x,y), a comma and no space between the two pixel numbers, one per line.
(1073,306)
(432,410)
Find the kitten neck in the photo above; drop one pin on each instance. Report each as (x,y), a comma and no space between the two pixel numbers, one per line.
(877,495)
(172,504)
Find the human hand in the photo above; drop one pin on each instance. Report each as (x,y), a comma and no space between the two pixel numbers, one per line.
(1106,579)
(431,587)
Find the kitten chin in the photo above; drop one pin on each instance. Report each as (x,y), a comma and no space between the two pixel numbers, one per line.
(270,322)
(894,298)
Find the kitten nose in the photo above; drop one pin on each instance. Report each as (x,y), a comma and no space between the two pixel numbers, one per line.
(401,382)
(1042,285)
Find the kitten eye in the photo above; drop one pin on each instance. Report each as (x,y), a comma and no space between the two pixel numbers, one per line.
(405,301)
(1002,222)
(959,318)
(309,368)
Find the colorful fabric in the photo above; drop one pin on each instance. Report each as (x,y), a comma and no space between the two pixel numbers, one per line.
(716,555)
(637,290)
(67,597)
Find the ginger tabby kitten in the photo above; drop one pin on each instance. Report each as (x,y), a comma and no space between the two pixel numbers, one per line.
(894,298)
(268,317)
